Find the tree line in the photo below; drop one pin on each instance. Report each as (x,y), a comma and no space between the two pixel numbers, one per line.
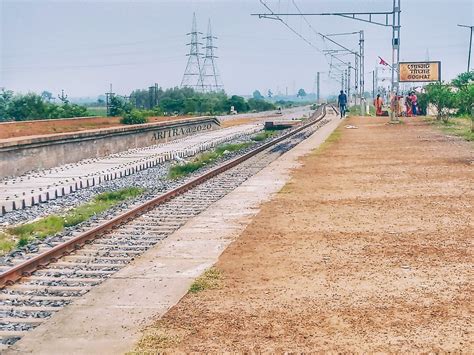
(31,106)
(142,102)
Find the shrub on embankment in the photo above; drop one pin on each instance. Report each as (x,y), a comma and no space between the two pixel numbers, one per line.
(134,117)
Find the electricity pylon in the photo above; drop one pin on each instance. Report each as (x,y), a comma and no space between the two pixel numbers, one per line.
(192,74)
(210,78)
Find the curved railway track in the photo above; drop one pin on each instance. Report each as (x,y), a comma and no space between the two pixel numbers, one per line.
(41,285)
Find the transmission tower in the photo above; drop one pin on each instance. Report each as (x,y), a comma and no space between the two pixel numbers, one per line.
(210,79)
(192,74)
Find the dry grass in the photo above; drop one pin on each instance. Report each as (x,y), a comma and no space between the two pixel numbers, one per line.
(207,281)
(237,122)
(333,138)
(155,339)
(161,336)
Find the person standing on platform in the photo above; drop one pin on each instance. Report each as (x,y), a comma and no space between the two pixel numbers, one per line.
(378,103)
(342,103)
(408,105)
(414,103)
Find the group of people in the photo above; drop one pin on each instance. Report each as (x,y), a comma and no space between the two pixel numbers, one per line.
(410,103)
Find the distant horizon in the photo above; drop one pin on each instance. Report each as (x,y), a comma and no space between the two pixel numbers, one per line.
(83,46)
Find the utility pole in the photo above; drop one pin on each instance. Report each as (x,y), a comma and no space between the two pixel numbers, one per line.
(395,57)
(356,76)
(470,46)
(108,101)
(373,84)
(376,79)
(192,73)
(362,73)
(151,97)
(318,97)
(348,74)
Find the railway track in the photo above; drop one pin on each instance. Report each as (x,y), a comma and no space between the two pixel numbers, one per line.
(36,288)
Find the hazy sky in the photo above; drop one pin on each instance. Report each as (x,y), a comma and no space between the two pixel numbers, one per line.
(82,46)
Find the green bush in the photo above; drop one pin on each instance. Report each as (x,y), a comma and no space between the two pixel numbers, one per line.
(442,97)
(260,105)
(134,117)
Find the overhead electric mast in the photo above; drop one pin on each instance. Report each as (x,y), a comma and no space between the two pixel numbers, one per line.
(381,18)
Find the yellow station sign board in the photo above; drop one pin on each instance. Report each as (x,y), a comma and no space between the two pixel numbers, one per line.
(419,71)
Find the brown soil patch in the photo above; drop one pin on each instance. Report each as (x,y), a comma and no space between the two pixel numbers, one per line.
(367,249)
(43,127)
(238,121)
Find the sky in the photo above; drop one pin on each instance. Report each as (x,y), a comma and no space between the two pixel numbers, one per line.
(82,46)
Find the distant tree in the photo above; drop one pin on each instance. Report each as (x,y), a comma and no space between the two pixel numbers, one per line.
(100,102)
(140,98)
(170,105)
(118,106)
(260,105)
(238,102)
(465,92)
(270,94)
(25,107)
(465,100)
(5,99)
(301,93)
(257,95)
(442,97)
(464,79)
(73,110)
(46,96)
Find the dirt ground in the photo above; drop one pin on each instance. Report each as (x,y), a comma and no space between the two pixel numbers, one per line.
(367,249)
(239,121)
(42,127)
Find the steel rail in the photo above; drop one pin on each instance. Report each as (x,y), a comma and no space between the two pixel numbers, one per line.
(27,267)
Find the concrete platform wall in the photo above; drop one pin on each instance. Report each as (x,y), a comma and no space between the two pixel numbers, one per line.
(17,156)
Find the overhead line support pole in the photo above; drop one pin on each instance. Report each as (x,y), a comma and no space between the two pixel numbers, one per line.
(470,46)
(362,73)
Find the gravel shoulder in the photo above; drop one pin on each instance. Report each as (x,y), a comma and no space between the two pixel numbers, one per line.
(368,248)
